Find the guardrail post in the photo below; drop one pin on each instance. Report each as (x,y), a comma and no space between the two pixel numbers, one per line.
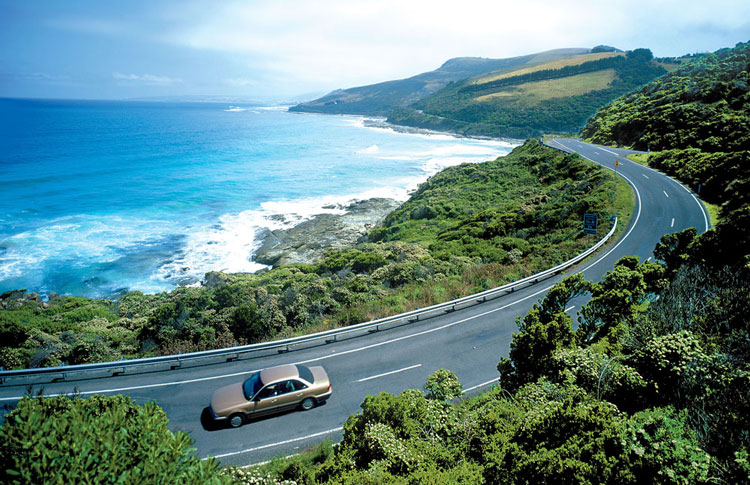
(331,340)
(286,348)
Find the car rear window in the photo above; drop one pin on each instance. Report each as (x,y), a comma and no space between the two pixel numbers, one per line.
(305,373)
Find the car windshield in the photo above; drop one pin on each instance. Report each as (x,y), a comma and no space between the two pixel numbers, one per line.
(252,386)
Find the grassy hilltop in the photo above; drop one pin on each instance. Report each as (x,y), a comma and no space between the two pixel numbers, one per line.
(554,97)
(380,99)
(554,91)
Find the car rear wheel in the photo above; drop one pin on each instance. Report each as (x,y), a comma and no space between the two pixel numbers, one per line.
(307,404)
(236,420)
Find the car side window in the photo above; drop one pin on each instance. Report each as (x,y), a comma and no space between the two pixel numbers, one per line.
(268,391)
(297,385)
(285,387)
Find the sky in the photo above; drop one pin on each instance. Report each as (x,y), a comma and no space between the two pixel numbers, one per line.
(295,50)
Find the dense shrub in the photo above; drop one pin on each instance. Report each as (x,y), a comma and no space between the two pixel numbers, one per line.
(97,440)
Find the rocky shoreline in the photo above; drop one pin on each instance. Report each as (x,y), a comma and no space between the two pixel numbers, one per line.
(308,241)
(382,123)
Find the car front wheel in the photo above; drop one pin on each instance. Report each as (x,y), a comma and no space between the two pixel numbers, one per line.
(236,420)
(307,404)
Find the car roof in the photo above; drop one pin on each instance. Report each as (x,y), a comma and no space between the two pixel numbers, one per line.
(279,373)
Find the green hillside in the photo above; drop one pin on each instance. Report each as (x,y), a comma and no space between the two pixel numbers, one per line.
(519,97)
(382,98)
(557,96)
(701,105)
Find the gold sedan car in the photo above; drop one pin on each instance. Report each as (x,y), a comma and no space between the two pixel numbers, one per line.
(271,390)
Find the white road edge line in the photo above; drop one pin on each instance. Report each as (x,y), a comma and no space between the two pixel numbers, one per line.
(635,222)
(389,373)
(133,388)
(468,389)
(272,445)
(700,206)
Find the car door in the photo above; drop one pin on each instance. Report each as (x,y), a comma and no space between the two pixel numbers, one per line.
(290,393)
(267,399)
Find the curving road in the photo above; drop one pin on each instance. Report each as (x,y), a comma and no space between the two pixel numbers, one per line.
(469,341)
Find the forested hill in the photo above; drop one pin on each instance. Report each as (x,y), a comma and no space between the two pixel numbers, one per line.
(556,97)
(381,98)
(705,105)
(520,97)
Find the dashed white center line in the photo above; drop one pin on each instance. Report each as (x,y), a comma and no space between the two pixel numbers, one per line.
(569,308)
(648,259)
(665,193)
(389,373)
(613,153)
(672,222)
(644,175)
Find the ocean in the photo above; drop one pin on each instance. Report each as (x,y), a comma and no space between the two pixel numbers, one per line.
(102,197)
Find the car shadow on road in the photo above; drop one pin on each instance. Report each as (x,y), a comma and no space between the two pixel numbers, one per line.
(209,424)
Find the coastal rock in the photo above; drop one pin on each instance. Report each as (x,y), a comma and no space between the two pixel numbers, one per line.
(15,299)
(214,279)
(308,241)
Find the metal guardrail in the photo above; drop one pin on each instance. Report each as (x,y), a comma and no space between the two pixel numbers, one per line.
(171,362)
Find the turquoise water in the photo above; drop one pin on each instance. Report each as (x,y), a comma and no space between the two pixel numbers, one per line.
(97,198)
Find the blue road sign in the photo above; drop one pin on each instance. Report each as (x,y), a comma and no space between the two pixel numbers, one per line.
(590,222)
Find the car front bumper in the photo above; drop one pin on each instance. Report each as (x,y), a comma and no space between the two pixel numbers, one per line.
(215,416)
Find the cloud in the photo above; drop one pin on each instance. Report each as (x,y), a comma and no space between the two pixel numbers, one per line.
(240,82)
(343,42)
(146,79)
(293,46)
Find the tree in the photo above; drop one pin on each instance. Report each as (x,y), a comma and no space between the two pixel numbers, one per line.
(660,448)
(641,54)
(545,330)
(561,436)
(617,300)
(672,249)
(443,385)
(102,439)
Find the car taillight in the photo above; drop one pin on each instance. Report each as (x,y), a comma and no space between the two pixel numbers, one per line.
(329,386)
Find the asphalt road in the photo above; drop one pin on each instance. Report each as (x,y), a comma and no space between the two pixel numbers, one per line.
(470,342)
